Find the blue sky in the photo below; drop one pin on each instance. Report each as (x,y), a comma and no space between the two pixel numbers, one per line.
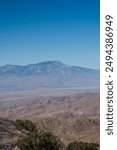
(33,31)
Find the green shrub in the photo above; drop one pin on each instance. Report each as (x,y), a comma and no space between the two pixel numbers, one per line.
(40,141)
(82,146)
(25,124)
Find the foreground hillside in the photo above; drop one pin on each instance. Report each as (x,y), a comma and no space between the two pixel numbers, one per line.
(24,135)
(70,117)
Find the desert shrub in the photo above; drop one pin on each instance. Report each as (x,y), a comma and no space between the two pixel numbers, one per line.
(25,124)
(74,146)
(40,141)
(48,141)
(82,146)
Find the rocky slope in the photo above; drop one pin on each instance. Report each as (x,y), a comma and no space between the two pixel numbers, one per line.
(8,134)
(70,117)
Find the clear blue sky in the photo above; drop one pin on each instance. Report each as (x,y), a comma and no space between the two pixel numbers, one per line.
(33,31)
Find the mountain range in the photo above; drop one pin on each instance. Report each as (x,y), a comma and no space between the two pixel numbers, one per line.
(48,74)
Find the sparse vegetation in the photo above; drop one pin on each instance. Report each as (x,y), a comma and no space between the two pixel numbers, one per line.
(35,140)
(82,146)
(48,141)
(25,124)
(40,141)
(31,139)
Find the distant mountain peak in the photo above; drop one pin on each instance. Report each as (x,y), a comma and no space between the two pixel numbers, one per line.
(52,62)
(48,74)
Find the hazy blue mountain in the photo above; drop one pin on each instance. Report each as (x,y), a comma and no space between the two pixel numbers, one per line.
(48,74)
